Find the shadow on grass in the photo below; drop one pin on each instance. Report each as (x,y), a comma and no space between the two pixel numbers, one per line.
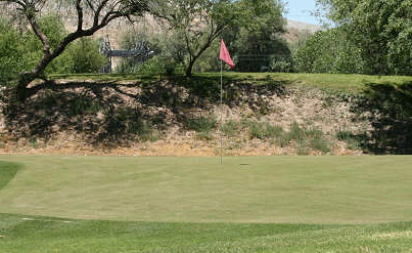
(7,172)
(388,107)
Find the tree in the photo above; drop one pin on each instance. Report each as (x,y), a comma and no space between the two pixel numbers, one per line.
(53,27)
(101,12)
(195,25)
(257,37)
(10,52)
(84,57)
(329,52)
(380,28)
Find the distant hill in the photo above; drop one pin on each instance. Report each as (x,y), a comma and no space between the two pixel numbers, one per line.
(296,29)
(303,26)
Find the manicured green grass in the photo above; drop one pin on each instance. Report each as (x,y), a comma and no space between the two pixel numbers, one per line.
(104,77)
(339,82)
(42,235)
(316,190)
(7,172)
(261,204)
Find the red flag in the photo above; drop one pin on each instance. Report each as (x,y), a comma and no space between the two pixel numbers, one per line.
(225,56)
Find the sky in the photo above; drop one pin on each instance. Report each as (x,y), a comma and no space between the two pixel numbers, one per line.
(300,10)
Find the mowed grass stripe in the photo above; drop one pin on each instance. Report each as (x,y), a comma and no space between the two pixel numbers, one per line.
(316,190)
(44,234)
(7,172)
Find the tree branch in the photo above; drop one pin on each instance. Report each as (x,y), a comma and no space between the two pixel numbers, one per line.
(29,12)
(79,15)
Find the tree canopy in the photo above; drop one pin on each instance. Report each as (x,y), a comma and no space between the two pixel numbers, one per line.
(381,29)
(101,12)
(257,38)
(195,25)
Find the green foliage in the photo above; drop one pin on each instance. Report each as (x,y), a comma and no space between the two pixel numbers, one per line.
(158,65)
(314,138)
(329,52)
(167,60)
(230,128)
(209,60)
(204,136)
(144,131)
(11,52)
(296,132)
(53,28)
(388,107)
(84,105)
(380,29)
(264,131)
(352,142)
(257,42)
(21,50)
(320,144)
(82,57)
(189,39)
(201,124)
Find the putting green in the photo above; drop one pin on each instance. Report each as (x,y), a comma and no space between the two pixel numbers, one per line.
(321,190)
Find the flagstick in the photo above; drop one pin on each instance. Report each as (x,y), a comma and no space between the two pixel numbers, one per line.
(221,112)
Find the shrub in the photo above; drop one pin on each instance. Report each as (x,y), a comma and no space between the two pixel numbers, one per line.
(329,52)
(201,124)
(84,105)
(11,55)
(144,130)
(22,51)
(230,128)
(84,57)
(205,136)
(344,135)
(54,29)
(320,144)
(296,133)
(351,141)
(303,149)
(263,131)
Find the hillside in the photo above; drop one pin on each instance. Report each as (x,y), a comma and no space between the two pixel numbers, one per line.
(264,114)
(296,30)
(301,26)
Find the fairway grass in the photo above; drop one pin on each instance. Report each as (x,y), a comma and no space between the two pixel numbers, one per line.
(335,82)
(294,190)
(44,234)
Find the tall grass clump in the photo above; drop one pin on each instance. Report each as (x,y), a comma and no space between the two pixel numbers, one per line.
(201,124)
(230,128)
(305,139)
(350,139)
(264,131)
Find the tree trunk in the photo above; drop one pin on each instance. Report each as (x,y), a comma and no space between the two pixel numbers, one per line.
(25,79)
(189,68)
(195,57)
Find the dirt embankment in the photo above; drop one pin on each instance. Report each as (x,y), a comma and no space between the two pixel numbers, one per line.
(177,117)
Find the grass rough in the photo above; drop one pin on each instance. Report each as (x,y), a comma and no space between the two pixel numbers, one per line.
(33,234)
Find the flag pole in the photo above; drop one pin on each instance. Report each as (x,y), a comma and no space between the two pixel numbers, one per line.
(221,112)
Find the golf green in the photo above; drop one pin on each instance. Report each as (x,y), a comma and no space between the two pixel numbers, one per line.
(311,190)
